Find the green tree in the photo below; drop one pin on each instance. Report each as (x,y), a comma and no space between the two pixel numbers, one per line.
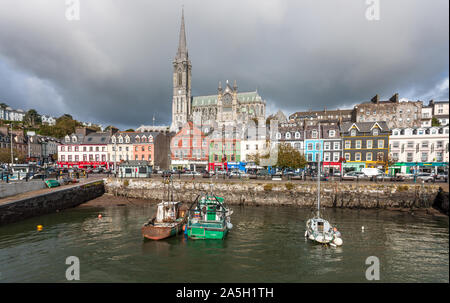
(435,122)
(32,118)
(5,155)
(288,157)
(130,130)
(3,105)
(65,125)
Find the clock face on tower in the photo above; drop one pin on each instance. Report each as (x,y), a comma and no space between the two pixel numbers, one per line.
(227,99)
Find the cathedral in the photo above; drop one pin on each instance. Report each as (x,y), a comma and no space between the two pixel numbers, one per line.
(228,107)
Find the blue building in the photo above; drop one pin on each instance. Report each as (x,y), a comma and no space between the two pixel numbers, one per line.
(313,146)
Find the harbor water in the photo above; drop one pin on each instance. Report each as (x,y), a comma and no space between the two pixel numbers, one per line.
(266,244)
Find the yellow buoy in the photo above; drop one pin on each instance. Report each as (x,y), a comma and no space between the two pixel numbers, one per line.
(39,227)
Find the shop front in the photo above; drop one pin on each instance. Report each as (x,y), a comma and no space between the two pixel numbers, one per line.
(83,164)
(236,166)
(353,166)
(331,167)
(213,166)
(413,167)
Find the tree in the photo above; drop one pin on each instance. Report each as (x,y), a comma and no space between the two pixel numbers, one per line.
(5,155)
(32,118)
(3,105)
(289,157)
(435,122)
(130,130)
(65,125)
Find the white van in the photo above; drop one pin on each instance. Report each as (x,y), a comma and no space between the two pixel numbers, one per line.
(371,172)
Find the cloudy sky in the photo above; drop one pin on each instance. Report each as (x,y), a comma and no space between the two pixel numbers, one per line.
(114,65)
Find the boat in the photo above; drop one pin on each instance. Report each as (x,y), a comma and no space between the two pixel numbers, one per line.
(318,229)
(169,220)
(208,218)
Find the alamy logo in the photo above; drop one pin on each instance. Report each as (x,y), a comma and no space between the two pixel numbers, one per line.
(373,271)
(73,271)
(73,10)
(373,11)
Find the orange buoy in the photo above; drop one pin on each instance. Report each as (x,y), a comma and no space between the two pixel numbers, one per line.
(39,227)
(99,216)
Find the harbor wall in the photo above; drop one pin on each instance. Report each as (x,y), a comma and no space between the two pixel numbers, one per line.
(333,194)
(15,188)
(50,202)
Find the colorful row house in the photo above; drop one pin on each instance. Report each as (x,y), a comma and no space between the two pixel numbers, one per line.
(366,145)
(419,149)
(189,149)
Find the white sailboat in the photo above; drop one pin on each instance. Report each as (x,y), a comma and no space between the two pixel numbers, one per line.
(318,229)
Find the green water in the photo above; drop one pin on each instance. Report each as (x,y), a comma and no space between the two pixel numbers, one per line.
(265,245)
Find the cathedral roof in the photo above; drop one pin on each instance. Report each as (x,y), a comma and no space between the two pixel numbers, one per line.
(245,97)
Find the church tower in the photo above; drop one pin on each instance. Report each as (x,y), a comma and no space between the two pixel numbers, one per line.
(181,102)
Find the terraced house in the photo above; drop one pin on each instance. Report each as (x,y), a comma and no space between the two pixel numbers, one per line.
(313,146)
(420,148)
(189,148)
(332,148)
(366,145)
(224,147)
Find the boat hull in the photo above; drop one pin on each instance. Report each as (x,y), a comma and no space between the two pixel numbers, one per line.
(202,232)
(154,232)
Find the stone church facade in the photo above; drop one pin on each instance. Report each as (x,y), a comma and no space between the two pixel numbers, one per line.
(228,107)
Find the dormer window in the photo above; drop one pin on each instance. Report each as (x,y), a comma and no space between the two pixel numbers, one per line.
(314,133)
(144,139)
(332,133)
(150,138)
(297,135)
(278,136)
(138,140)
(376,132)
(74,139)
(113,139)
(288,135)
(120,140)
(127,139)
(67,139)
(353,132)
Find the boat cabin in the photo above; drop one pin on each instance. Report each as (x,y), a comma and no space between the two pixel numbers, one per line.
(169,211)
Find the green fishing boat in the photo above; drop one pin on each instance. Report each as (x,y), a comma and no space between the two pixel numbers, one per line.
(208,218)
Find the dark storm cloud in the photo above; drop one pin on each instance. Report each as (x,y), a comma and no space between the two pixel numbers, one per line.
(114,66)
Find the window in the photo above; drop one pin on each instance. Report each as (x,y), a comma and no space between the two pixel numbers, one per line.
(149,148)
(439,157)
(326,157)
(84,157)
(396,144)
(376,131)
(91,148)
(335,157)
(395,156)
(424,157)
(337,145)
(77,158)
(97,157)
(410,144)
(310,146)
(69,158)
(380,156)
(353,132)
(91,157)
(297,135)
(278,136)
(288,135)
(380,143)
(314,133)
(439,144)
(369,144)
(69,148)
(84,148)
(358,144)
(348,144)
(63,158)
(309,156)
(358,157)
(247,146)
(317,146)
(368,156)
(136,148)
(327,146)
(76,148)
(332,133)
(409,157)
(103,158)
(424,144)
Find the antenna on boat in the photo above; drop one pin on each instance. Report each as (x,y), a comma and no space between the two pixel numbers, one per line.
(318,176)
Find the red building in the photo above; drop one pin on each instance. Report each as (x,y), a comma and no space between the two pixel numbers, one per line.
(189,148)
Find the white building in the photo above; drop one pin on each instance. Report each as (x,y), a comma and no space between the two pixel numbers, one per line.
(255,141)
(48,120)
(426,148)
(10,114)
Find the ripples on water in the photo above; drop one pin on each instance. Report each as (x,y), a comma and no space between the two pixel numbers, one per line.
(265,245)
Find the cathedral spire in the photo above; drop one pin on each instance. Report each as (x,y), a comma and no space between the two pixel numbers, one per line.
(182,53)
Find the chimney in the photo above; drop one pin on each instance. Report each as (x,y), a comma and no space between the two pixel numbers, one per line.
(394,98)
(375,99)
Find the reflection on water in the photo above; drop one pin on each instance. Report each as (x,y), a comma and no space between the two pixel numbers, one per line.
(265,245)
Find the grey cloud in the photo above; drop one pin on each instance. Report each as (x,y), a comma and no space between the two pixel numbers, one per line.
(114,66)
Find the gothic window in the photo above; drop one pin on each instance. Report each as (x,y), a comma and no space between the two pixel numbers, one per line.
(180,79)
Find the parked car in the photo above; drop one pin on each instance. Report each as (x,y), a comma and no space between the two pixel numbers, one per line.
(354,175)
(192,173)
(97,170)
(425,177)
(323,177)
(442,176)
(38,177)
(383,177)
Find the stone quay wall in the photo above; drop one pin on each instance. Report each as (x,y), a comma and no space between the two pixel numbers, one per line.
(333,194)
(50,202)
(14,188)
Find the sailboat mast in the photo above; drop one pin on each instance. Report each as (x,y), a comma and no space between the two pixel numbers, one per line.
(318,176)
